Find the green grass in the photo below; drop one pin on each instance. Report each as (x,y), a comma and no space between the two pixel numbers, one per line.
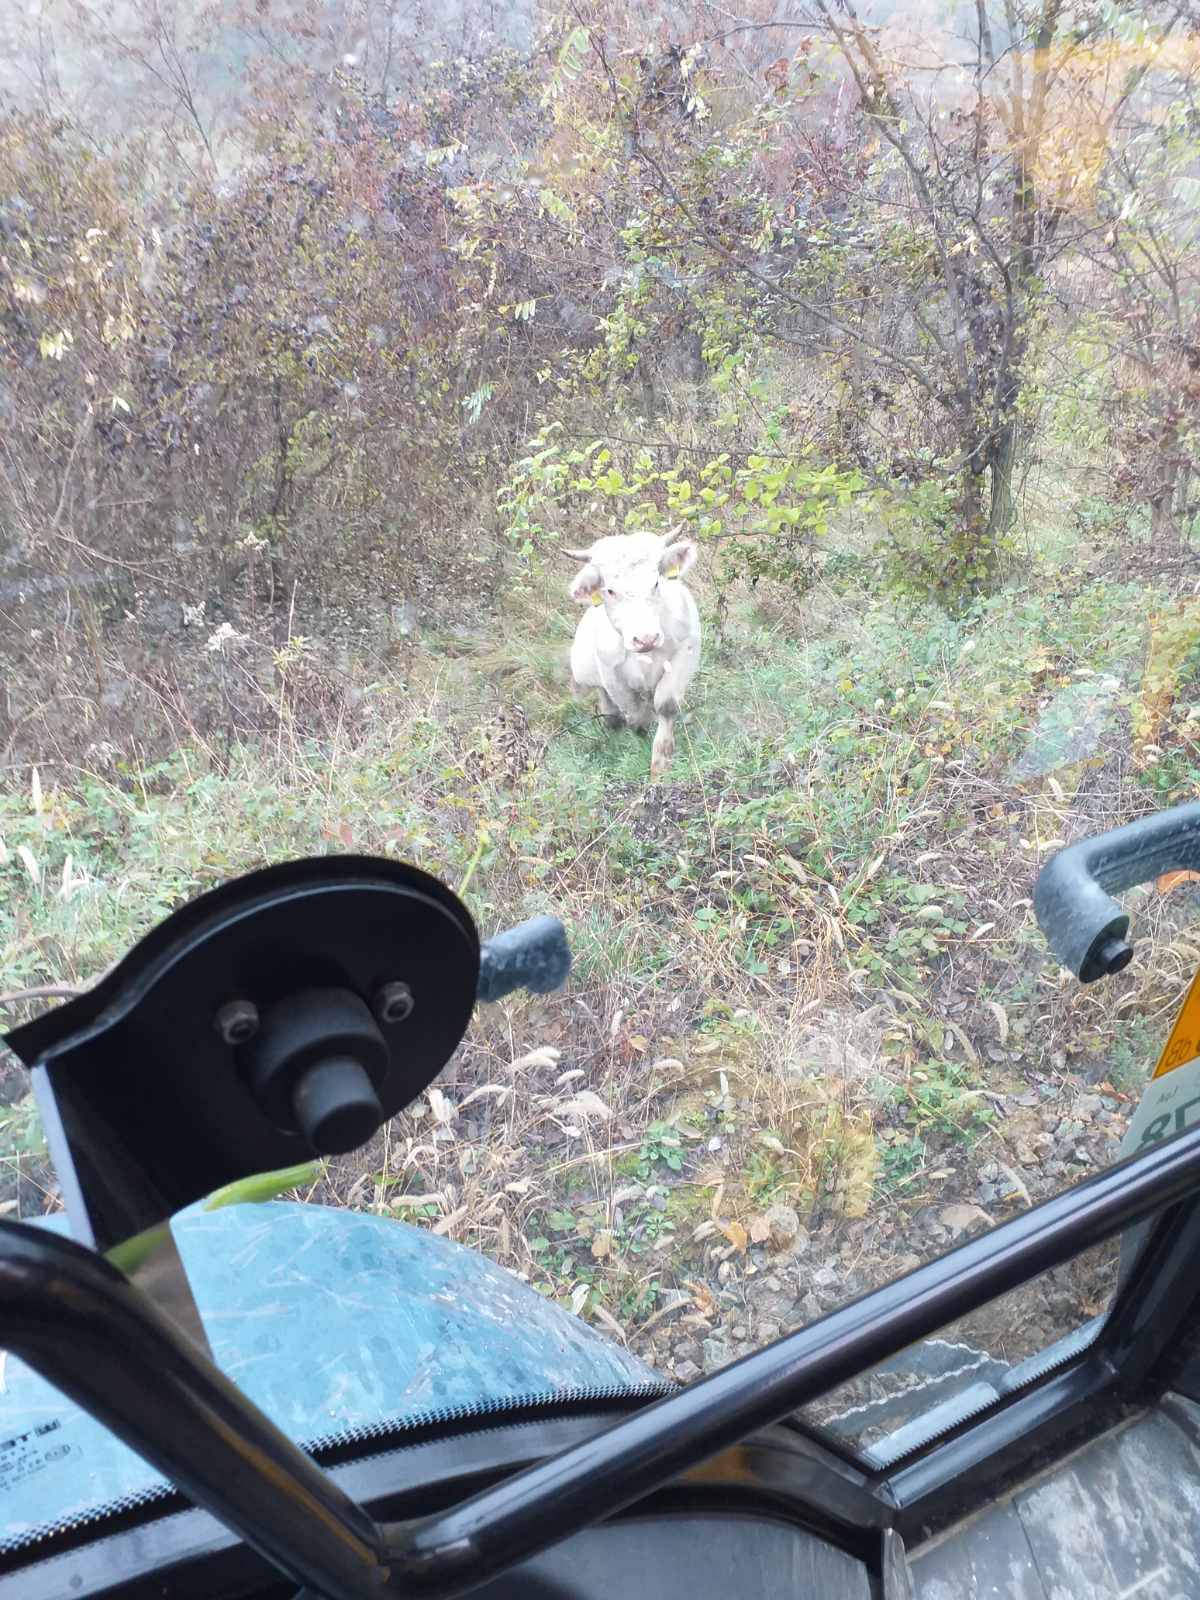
(806,854)
(840,742)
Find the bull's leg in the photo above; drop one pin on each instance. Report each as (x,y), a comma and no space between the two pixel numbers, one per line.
(619,700)
(610,711)
(667,707)
(668,700)
(643,716)
(663,748)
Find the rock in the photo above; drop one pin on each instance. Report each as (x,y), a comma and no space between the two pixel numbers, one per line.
(776,1306)
(716,1354)
(958,1218)
(163,616)
(115,694)
(825,1277)
(686,1371)
(1012,1187)
(810,1308)
(767,1332)
(1086,1105)
(784,1223)
(772,1283)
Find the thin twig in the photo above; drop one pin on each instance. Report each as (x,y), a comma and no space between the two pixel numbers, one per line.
(42,991)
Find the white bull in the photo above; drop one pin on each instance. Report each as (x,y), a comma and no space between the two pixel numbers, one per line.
(638,643)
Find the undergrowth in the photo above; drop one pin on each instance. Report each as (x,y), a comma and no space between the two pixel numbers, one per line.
(805,966)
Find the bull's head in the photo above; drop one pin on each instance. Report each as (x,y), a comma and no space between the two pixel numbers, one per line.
(626,573)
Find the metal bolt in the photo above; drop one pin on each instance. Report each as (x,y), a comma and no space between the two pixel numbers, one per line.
(394,1002)
(237,1021)
(1113,955)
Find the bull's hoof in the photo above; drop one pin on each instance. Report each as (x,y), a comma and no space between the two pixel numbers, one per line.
(614,720)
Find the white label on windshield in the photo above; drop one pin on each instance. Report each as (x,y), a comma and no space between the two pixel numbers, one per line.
(26,1453)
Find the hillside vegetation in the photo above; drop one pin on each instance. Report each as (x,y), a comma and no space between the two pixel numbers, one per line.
(305,387)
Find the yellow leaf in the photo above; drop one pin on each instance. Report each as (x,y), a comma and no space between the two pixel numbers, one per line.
(702,1297)
(737,1236)
(1172,880)
(602,1246)
(760,1230)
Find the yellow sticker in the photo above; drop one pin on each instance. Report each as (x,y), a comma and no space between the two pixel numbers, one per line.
(1184,1044)
(597,598)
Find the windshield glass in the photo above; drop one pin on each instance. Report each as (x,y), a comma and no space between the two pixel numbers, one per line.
(344,1328)
(727,485)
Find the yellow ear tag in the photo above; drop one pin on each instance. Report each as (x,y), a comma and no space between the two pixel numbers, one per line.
(671,572)
(597,598)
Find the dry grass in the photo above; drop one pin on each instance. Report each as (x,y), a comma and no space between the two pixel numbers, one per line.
(807,975)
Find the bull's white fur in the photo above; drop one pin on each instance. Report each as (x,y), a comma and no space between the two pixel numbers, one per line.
(641,606)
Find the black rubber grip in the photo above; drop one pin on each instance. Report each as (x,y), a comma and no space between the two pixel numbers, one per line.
(534,956)
(1083,924)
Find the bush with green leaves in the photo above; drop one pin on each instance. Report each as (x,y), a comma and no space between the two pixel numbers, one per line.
(764,512)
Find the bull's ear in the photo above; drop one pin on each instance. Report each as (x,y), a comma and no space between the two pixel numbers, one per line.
(678,558)
(585,585)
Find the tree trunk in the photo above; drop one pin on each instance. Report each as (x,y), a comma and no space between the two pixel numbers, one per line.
(1003,462)
(1183,484)
(1162,512)
(969,560)
(1162,497)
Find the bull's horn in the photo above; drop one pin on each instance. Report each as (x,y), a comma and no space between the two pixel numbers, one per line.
(575,555)
(673,533)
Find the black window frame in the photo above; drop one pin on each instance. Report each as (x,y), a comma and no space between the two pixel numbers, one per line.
(734,1428)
